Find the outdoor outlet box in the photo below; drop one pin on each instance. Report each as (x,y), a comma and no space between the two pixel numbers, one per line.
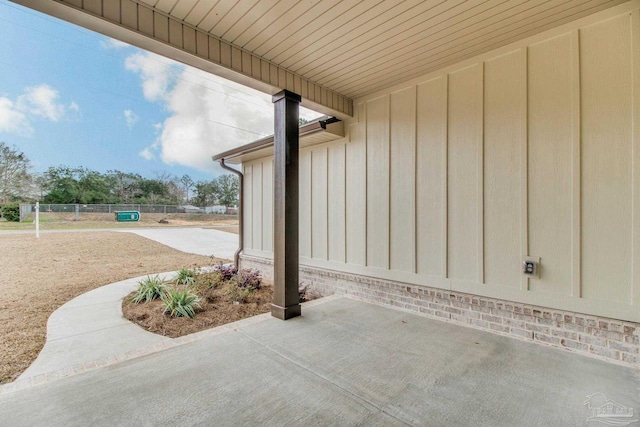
(531,267)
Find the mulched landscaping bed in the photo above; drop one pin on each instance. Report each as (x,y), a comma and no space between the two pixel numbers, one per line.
(217,309)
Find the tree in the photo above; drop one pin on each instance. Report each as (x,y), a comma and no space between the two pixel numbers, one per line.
(125,186)
(94,187)
(63,185)
(227,188)
(187,184)
(205,194)
(14,173)
(79,185)
(42,185)
(173,191)
(152,191)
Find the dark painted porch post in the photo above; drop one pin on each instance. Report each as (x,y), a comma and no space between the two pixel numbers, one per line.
(286,302)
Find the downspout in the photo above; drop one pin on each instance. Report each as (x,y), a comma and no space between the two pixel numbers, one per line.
(236,256)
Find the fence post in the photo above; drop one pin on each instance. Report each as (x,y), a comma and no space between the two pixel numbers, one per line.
(37,220)
(77,212)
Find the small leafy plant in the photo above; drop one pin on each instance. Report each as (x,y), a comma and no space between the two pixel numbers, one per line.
(302,293)
(228,271)
(181,303)
(212,280)
(236,293)
(186,276)
(149,289)
(249,279)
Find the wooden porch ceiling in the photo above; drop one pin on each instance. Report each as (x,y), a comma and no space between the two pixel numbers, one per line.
(358,46)
(329,51)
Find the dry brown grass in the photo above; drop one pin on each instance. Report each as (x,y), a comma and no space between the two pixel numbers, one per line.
(66,221)
(39,275)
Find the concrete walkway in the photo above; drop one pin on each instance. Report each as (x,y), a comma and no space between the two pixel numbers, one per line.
(199,241)
(195,240)
(343,363)
(90,330)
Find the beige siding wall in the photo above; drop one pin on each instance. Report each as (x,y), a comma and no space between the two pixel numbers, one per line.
(450,180)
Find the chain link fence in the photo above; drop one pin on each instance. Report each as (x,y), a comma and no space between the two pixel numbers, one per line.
(79,210)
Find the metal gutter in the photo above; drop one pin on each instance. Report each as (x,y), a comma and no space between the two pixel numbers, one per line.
(306,129)
(236,256)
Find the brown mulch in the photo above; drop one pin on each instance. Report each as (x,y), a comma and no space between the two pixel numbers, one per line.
(216,309)
(39,275)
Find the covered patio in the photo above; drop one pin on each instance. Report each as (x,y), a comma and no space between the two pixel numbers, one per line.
(477,135)
(344,362)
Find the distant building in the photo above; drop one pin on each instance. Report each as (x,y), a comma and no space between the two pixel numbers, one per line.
(191,209)
(217,209)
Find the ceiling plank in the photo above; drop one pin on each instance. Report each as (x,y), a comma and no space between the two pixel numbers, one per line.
(426,62)
(230,19)
(182,8)
(199,11)
(216,14)
(291,31)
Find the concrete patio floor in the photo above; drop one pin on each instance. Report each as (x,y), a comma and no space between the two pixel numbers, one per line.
(344,362)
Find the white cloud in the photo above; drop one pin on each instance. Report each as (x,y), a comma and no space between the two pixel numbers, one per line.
(113,44)
(41,101)
(131,118)
(147,154)
(155,72)
(35,102)
(12,120)
(207,114)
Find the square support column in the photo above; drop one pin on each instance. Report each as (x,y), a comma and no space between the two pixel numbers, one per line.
(286,299)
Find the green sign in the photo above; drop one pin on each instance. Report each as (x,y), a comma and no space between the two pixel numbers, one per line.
(127,216)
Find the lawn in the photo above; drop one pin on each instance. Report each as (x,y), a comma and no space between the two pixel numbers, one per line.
(39,275)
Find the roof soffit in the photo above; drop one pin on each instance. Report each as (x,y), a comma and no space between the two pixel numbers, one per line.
(331,51)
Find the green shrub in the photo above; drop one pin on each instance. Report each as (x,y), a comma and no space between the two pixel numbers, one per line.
(236,293)
(249,279)
(149,289)
(11,212)
(212,280)
(181,303)
(228,271)
(186,276)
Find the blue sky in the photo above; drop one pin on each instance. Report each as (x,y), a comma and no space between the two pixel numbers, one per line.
(72,97)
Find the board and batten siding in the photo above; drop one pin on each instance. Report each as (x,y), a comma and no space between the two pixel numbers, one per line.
(450,180)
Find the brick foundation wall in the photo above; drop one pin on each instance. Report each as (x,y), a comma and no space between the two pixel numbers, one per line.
(595,336)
